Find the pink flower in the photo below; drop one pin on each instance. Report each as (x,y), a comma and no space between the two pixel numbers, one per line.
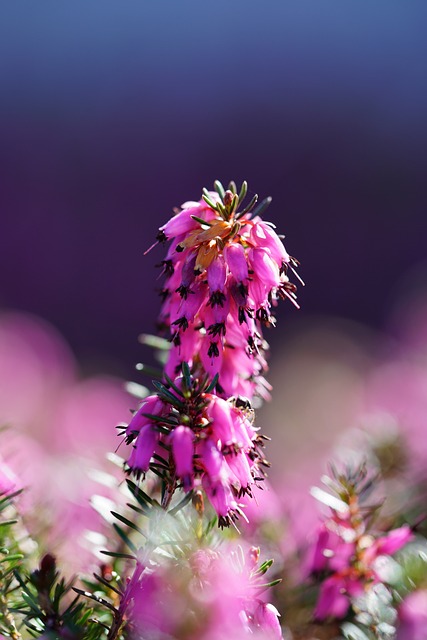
(413,617)
(201,438)
(60,427)
(344,547)
(389,544)
(150,405)
(208,596)
(144,449)
(183,450)
(334,598)
(266,617)
(351,565)
(8,480)
(244,265)
(330,551)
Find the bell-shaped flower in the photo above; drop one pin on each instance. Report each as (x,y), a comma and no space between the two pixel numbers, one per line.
(183,449)
(143,450)
(266,617)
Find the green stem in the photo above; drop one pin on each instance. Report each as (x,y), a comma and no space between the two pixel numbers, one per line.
(8,619)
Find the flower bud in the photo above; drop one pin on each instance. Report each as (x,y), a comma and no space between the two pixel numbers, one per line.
(143,451)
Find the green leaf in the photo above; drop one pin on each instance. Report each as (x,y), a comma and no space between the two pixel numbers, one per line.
(128,523)
(167,395)
(124,537)
(139,494)
(32,603)
(264,567)
(9,497)
(213,384)
(219,189)
(201,221)
(154,341)
(221,210)
(234,204)
(187,498)
(71,606)
(136,390)
(162,419)
(149,371)
(22,584)
(158,473)
(186,376)
(209,202)
(160,459)
(262,207)
(6,523)
(116,554)
(107,584)
(173,385)
(268,585)
(248,208)
(142,512)
(96,598)
(243,191)
(12,557)
(210,525)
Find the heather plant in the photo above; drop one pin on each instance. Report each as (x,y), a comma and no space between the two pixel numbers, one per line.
(186,520)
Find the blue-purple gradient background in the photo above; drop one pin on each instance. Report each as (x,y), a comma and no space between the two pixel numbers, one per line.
(114,112)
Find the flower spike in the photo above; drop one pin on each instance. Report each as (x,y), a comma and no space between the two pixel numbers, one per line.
(226,270)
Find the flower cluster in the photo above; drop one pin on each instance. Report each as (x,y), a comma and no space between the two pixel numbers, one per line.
(212,595)
(345,549)
(199,439)
(225,270)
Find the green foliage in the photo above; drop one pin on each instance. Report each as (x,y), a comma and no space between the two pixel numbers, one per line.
(48,608)
(11,558)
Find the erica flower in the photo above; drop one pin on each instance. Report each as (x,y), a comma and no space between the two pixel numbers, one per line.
(225,270)
(212,594)
(196,438)
(8,480)
(345,549)
(413,616)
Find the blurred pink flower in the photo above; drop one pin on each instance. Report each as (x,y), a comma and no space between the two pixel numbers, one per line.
(399,389)
(8,479)
(214,596)
(349,557)
(60,428)
(413,617)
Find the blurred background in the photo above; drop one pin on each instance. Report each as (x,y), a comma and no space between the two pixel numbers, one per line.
(113,113)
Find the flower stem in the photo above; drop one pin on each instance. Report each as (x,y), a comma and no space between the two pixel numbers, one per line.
(8,619)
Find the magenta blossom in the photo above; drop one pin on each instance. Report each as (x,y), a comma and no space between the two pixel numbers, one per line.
(413,617)
(8,480)
(351,564)
(212,595)
(202,440)
(225,271)
(344,550)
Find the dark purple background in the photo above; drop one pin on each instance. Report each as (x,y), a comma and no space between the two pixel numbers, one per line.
(114,112)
